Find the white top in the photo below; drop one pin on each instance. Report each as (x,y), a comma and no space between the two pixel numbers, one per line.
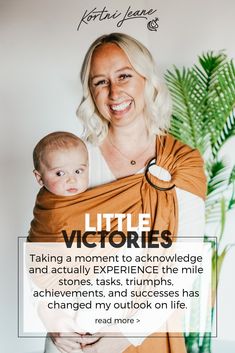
(191,207)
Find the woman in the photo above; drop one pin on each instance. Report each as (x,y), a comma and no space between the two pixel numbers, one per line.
(125,109)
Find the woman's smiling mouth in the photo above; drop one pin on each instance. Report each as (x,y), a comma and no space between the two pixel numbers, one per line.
(120,108)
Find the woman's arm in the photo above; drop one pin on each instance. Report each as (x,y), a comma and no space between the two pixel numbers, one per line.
(191,214)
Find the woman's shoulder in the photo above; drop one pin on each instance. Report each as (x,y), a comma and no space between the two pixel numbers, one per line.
(184,163)
(175,151)
(89,145)
(99,172)
(171,142)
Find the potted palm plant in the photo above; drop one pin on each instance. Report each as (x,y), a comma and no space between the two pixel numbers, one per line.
(204,118)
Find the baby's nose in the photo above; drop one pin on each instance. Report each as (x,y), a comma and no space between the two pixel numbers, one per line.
(71,179)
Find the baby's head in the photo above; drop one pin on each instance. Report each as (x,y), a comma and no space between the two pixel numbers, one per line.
(61,163)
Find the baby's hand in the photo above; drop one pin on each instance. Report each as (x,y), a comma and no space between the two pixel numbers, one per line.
(66,344)
(87,339)
(72,342)
(104,343)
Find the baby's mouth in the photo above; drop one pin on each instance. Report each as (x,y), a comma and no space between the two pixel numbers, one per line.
(72,190)
(120,107)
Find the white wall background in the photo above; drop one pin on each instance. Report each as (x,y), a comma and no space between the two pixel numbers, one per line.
(41,53)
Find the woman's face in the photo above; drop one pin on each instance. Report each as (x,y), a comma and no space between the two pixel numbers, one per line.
(117,89)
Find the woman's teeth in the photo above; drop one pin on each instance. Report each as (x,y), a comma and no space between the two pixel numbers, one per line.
(119,107)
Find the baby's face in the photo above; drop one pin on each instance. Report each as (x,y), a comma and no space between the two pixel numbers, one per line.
(65,172)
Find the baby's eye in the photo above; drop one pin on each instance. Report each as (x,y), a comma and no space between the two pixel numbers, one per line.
(60,173)
(79,171)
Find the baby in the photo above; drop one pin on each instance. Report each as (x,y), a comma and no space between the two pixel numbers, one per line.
(61,166)
(61,163)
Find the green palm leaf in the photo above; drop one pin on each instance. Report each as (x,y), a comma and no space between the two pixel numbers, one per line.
(227,131)
(232,176)
(186,122)
(204,118)
(231,182)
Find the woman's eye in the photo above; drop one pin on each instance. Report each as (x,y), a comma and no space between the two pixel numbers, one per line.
(100,83)
(124,76)
(60,173)
(78,171)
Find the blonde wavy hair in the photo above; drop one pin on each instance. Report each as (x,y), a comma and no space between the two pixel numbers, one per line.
(157,99)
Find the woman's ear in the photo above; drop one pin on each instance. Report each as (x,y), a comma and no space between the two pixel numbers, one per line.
(38,177)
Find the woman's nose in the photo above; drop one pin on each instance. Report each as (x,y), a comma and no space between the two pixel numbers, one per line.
(114,90)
